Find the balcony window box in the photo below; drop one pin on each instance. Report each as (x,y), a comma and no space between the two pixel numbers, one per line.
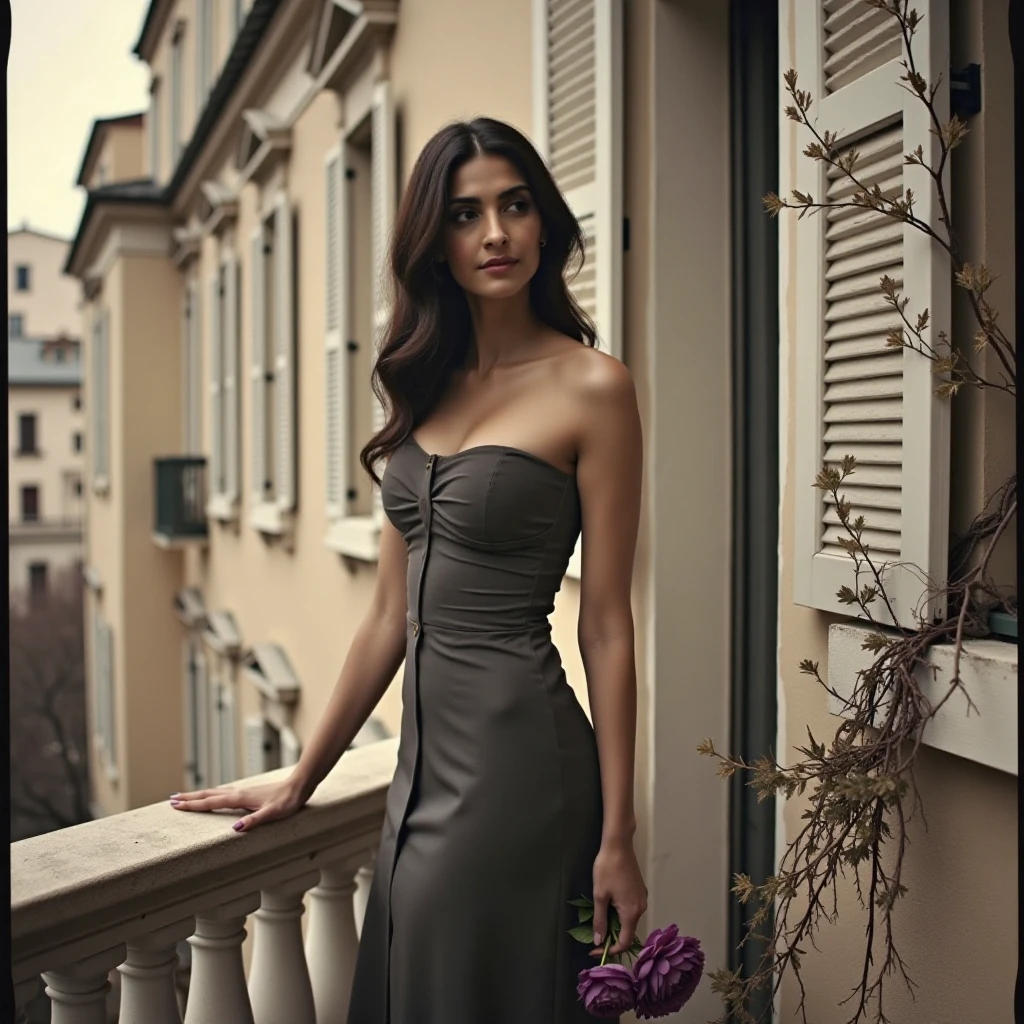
(179,502)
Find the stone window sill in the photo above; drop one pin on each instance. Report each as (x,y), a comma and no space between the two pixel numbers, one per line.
(355,537)
(222,508)
(987,735)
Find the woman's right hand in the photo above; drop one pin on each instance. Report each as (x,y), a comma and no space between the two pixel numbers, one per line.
(271,802)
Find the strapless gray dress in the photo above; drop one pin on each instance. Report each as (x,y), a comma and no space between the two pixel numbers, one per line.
(493,818)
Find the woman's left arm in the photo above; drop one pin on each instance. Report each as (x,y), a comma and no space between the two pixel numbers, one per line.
(609,474)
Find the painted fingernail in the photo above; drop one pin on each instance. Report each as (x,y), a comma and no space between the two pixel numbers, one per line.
(175,795)
(176,803)
(238,826)
(597,938)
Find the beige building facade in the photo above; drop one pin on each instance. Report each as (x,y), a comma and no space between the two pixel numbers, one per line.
(42,300)
(231,298)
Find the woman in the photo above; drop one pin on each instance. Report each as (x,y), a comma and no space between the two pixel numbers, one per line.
(507,433)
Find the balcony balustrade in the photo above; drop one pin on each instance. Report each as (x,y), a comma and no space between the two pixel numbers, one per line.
(122,892)
(179,500)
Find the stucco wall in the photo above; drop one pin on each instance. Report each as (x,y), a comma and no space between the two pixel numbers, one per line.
(51,305)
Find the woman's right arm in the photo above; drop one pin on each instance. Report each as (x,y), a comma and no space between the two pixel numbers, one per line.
(374,657)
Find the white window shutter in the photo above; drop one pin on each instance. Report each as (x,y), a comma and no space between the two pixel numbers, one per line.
(227,741)
(578,90)
(255,745)
(291,748)
(105,690)
(854,395)
(229,368)
(258,369)
(100,397)
(190,725)
(384,199)
(216,477)
(335,366)
(202,706)
(284,359)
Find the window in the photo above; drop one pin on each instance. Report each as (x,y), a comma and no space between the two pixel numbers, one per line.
(154,130)
(103,685)
(38,573)
(27,434)
(76,401)
(272,369)
(22,278)
(78,487)
(224,424)
(177,44)
(359,199)
(855,395)
(16,325)
(76,441)
(204,53)
(577,91)
(59,355)
(99,386)
(192,386)
(29,503)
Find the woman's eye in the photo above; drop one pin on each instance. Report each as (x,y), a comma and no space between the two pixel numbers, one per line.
(519,206)
(462,216)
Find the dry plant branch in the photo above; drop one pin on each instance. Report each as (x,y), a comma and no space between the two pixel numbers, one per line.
(860,789)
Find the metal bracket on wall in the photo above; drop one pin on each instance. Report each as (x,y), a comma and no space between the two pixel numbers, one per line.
(965,91)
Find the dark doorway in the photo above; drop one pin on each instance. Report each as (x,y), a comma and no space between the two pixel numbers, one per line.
(755,362)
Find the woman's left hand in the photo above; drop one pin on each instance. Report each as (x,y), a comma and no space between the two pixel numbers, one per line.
(617,880)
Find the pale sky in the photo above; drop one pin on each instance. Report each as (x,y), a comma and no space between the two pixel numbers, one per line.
(71,61)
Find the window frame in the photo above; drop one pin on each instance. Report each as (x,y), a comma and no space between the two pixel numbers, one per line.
(273,380)
(28,419)
(35,491)
(358,535)
(16,325)
(23,277)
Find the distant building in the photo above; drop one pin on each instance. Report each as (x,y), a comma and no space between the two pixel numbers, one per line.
(42,301)
(46,427)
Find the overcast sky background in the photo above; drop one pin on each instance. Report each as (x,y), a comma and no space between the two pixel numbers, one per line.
(71,61)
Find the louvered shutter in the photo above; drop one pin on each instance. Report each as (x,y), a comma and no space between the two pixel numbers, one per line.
(578,129)
(203,717)
(854,395)
(100,397)
(257,369)
(334,359)
(190,726)
(98,677)
(384,197)
(255,745)
(230,348)
(227,741)
(284,358)
(216,385)
(194,369)
(291,748)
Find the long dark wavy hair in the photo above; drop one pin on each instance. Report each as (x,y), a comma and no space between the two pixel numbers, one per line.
(429,330)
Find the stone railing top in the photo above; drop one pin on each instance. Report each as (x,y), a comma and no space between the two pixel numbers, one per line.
(75,889)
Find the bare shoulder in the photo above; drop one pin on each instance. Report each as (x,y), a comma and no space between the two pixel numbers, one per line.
(595,376)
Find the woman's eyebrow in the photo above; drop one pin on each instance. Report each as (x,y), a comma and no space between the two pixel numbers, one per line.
(475,201)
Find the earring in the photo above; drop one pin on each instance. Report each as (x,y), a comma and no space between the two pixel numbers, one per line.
(543,242)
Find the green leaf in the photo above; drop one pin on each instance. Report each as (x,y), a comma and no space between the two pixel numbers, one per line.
(583,933)
(581,902)
(586,914)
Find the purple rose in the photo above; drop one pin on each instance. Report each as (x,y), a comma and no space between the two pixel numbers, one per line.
(666,972)
(606,990)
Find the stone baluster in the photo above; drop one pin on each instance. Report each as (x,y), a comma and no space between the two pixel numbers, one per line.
(364,879)
(279,985)
(332,942)
(217,992)
(148,993)
(78,992)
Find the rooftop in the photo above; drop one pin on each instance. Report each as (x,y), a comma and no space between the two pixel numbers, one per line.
(26,364)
